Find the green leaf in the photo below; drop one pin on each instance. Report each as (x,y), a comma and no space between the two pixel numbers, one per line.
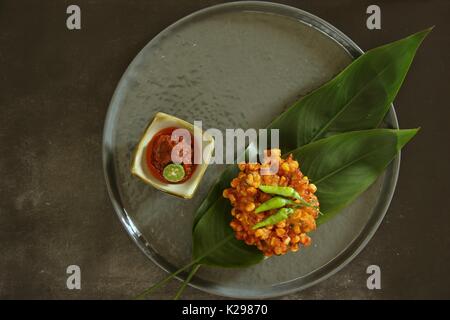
(356,99)
(230,172)
(343,166)
(213,229)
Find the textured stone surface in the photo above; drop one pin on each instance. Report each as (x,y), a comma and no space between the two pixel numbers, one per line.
(55,88)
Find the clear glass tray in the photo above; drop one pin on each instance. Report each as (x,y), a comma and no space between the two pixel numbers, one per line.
(236,65)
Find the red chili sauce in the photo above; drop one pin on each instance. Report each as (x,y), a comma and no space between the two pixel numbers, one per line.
(159,154)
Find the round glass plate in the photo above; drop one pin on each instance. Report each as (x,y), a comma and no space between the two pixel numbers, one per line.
(236,65)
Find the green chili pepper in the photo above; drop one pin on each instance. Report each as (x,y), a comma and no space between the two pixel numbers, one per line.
(281,191)
(281,215)
(274,203)
(286,192)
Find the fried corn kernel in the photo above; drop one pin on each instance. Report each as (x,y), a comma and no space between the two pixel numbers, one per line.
(245,197)
(251,191)
(285,167)
(250,207)
(234,182)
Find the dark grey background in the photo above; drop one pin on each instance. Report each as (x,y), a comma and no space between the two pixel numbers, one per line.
(55,86)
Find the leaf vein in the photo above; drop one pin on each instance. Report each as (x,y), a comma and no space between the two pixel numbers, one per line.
(344,108)
(343,167)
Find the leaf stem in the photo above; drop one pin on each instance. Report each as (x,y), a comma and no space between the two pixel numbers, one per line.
(192,263)
(164,281)
(185,282)
(312,206)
